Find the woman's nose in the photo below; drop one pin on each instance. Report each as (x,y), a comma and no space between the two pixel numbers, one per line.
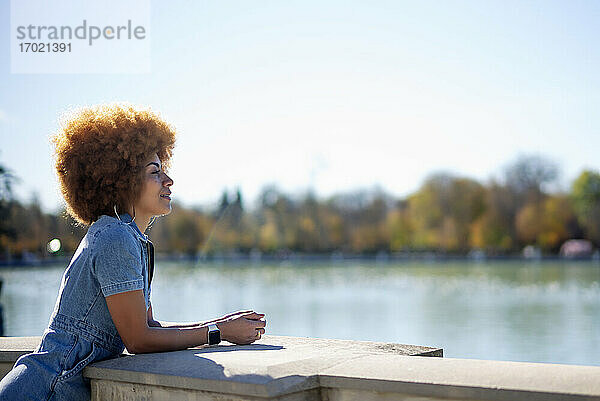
(168,180)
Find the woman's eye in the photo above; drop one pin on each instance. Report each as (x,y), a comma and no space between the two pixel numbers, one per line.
(156,172)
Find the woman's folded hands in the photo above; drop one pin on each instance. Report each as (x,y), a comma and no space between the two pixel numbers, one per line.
(242,327)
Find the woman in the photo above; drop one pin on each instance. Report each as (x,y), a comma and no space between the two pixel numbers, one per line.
(112,163)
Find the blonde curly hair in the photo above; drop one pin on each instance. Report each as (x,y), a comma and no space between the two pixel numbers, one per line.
(100,152)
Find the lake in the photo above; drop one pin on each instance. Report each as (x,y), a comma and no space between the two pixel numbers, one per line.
(516,311)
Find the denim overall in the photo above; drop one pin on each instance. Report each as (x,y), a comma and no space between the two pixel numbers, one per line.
(112,257)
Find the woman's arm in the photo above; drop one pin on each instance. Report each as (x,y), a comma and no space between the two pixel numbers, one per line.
(128,311)
(160,323)
(157,323)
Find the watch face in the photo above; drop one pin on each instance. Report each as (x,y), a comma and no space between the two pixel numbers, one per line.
(214,337)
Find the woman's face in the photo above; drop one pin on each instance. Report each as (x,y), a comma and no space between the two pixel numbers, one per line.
(155,198)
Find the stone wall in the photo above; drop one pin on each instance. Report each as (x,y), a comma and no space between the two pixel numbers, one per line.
(295,368)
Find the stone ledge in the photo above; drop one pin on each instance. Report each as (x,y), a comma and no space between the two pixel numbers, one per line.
(11,348)
(289,368)
(271,367)
(293,368)
(464,378)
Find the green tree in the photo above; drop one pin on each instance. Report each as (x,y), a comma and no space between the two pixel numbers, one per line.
(443,210)
(277,217)
(184,230)
(8,232)
(559,222)
(400,227)
(364,214)
(585,193)
(494,230)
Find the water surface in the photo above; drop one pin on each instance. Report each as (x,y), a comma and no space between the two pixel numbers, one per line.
(537,312)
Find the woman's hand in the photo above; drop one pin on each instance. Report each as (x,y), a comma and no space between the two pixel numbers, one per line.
(243,327)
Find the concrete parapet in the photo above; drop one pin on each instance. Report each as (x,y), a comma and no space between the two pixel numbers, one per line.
(11,348)
(295,368)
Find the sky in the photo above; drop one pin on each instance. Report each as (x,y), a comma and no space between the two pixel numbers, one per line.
(334,96)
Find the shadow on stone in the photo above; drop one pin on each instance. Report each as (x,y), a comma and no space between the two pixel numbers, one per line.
(250,347)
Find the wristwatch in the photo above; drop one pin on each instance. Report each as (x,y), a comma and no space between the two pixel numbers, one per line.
(214,334)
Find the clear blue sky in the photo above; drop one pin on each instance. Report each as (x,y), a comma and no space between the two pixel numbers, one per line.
(336,95)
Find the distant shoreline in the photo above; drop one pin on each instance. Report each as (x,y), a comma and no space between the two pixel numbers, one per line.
(333,258)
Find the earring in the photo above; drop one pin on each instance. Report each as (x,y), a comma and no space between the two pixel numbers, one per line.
(117,214)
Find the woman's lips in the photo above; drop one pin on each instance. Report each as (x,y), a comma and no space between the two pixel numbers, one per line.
(166,196)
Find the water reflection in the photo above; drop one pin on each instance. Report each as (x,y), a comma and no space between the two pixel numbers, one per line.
(543,312)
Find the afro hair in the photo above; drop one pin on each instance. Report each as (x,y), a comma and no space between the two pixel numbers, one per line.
(100,153)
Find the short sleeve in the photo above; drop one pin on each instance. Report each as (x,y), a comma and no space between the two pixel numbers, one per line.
(117,261)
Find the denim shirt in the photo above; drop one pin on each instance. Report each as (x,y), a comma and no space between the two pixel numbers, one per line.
(111,258)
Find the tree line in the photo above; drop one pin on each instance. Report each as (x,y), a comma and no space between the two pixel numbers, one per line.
(448,213)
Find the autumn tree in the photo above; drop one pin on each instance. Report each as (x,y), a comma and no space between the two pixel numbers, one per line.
(443,210)
(494,229)
(585,194)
